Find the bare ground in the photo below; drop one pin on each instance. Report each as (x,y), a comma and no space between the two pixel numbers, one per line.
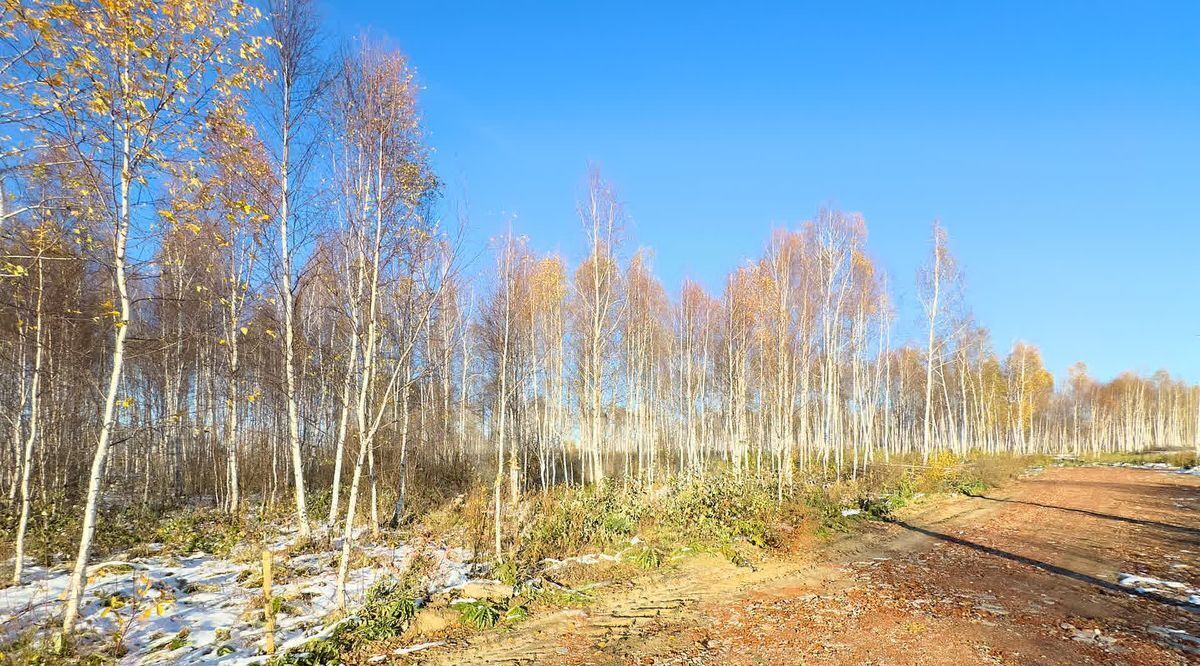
(1025,575)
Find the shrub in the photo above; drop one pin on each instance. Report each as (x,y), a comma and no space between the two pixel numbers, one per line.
(900,495)
(209,531)
(387,611)
(617,523)
(827,509)
(972,487)
(481,614)
(485,614)
(567,520)
(720,508)
(515,614)
(645,557)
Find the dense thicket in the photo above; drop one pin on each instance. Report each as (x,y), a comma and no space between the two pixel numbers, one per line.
(225,281)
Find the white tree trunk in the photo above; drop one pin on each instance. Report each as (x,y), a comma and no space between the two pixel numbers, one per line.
(289,334)
(27,453)
(96,477)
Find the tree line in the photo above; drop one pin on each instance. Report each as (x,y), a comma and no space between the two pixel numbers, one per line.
(227,279)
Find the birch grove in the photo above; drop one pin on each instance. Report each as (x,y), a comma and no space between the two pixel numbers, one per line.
(227,279)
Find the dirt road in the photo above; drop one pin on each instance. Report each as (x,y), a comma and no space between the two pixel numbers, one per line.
(1030,574)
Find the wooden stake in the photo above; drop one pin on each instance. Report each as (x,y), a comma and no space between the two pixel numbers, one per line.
(268,610)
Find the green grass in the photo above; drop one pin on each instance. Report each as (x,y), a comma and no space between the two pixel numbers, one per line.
(481,613)
(485,614)
(568,520)
(644,557)
(388,610)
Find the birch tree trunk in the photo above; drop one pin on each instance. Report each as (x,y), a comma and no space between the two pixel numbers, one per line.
(31,438)
(289,330)
(932,314)
(96,477)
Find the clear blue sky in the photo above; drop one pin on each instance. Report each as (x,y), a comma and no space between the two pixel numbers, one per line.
(1057,141)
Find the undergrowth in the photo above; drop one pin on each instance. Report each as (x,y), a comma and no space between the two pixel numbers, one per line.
(722,511)
(389,607)
(737,515)
(486,613)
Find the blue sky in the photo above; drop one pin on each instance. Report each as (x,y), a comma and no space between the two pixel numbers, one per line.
(1058,142)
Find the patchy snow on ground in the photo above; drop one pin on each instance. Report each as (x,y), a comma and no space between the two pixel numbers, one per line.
(1177,638)
(1146,583)
(1193,470)
(1171,588)
(201,609)
(551,564)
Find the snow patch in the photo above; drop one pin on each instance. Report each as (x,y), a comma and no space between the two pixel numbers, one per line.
(202,605)
(1135,581)
(1177,638)
(1170,588)
(551,564)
